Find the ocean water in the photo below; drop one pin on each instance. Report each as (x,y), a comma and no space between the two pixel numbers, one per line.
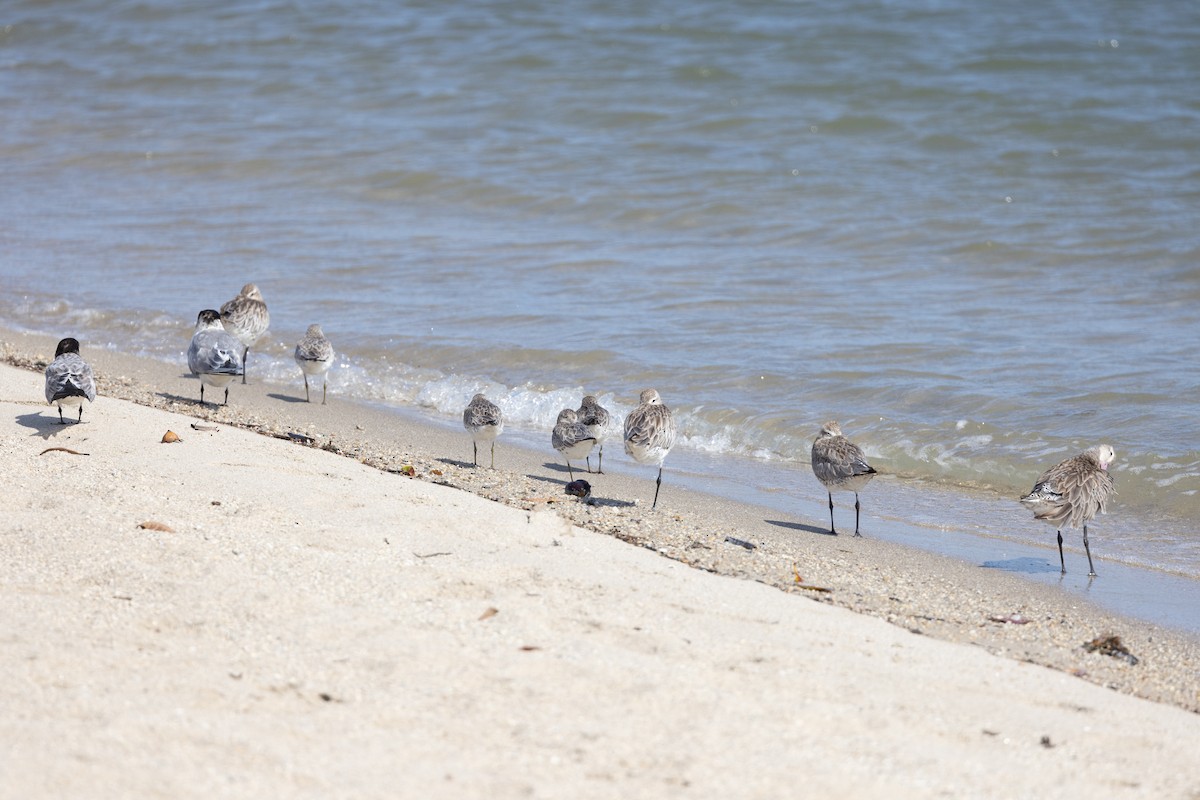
(969,233)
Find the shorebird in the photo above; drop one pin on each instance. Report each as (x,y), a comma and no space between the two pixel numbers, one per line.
(246,317)
(314,355)
(571,438)
(485,422)
(596,418)
(69,379)
(650,434)
(1069,494)
(840,465)
(212,356)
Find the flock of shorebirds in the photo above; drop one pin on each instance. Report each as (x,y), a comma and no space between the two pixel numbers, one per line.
(1068,495)
(213,353)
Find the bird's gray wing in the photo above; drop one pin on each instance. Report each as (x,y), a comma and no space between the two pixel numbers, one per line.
(214,352)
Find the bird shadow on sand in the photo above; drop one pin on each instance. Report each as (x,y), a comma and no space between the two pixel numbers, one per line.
(798,526)
(608,501)
(582,472)
(195,401)
(287,398)
(1027,565)
(454,462)
(555,481)
(45,425)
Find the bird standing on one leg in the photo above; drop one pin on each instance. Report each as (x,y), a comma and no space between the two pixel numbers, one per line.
(69,379)
(571,438)
(314,355)
(840,465)
(484,420)
(246,317)
(650,434)
(1071,493)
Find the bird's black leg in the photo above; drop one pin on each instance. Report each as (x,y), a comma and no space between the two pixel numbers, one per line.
(307,399)
(1061,560)
(1086,549)
(856,507)
(226,395)
(80,412)
(61,421)
(245,354)
(201,393)
(324,389)
(493,454)
(475,450)
(657,486)
(588,460)
(832,530)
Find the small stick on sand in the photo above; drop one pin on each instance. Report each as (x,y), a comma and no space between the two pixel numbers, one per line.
(63,449)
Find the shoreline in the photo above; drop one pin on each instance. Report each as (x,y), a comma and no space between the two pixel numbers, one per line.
(959,523)
(917,590)
(243,615)
(965,521)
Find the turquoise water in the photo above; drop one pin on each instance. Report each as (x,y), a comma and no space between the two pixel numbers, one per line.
(968,233)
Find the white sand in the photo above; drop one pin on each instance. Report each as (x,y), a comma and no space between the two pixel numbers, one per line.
(321,632)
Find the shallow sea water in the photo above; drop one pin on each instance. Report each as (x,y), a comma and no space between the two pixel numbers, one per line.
(968,234)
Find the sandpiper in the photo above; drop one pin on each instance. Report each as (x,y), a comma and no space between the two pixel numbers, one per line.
(840,465)
(1071,493)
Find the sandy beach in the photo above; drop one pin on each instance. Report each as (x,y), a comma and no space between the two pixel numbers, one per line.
(330,601)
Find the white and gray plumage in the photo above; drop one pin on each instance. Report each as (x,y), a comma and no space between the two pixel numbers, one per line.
(484,420)
(69,379)
(314,355)
(650,434)
(213,354)
(840,466)
(597,420)
(1071,493)
(571,438)
(246,317)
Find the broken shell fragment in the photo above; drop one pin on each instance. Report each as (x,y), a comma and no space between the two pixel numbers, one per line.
(170,436)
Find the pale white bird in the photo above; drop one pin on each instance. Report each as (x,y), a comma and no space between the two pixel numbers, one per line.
(650,434)
(213,354)
(314,356)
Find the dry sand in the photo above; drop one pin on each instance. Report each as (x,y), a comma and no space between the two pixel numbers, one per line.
(316,626)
